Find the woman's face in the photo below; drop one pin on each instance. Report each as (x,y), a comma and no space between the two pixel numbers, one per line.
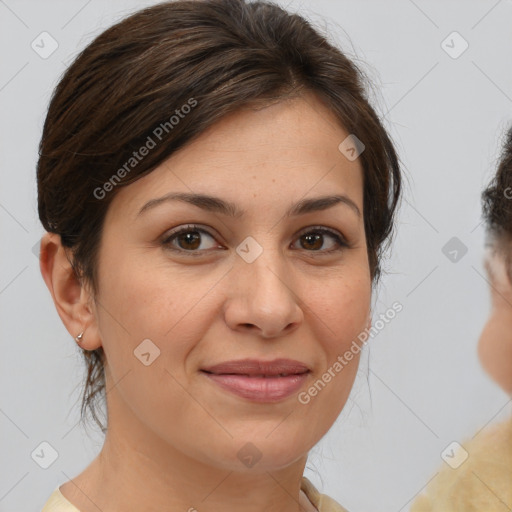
(264,284)
(495,344)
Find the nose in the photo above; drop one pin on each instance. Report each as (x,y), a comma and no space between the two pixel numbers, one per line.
(263,299)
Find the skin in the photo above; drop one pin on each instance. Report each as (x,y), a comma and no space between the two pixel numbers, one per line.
(173,434)
(495,343)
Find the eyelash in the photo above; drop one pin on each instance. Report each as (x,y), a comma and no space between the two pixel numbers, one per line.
(342,243)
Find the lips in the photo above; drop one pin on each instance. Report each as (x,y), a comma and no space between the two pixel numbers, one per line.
(259,381)
(257,368)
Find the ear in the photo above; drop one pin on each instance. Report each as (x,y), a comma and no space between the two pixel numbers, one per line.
(74,303)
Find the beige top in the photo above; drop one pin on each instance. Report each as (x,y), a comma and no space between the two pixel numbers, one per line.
(483,482)
(309,499)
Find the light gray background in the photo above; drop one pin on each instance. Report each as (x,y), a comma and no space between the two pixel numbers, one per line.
(420,385)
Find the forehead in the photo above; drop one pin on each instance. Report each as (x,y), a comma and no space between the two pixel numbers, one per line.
(282,152)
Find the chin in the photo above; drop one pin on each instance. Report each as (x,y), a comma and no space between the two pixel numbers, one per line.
(259,454)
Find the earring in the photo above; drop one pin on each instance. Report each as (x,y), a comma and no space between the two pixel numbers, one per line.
(79,337)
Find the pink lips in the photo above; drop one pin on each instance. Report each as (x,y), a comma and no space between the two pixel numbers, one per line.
(259,381)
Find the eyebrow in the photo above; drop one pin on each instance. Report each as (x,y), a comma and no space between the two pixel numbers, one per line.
(218,205)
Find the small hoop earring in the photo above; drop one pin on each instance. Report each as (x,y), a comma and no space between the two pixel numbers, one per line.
(79,337)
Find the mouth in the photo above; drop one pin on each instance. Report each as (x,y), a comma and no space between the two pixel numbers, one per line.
(259,381)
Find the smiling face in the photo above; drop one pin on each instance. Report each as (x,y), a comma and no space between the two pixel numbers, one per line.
(495,343)
(281,277)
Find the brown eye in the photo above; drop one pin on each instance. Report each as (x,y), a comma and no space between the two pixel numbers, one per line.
(314,239)
(187,239)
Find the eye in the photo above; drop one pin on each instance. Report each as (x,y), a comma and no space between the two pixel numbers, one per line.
(189,239)
(313,240)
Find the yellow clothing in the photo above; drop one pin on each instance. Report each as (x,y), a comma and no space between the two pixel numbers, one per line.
(482,483)
(321,502)
(315,501)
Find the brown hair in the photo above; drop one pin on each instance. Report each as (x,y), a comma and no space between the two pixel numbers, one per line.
(497,204)
(216,56)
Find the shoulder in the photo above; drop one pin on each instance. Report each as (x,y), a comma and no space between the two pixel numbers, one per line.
(58,503)
(482,481)
(322,502)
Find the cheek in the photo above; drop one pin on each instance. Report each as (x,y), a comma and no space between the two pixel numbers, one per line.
(490,336)
(342,307)
(342,312)
(149,321)
(137,303)
(495,343)
(147,298)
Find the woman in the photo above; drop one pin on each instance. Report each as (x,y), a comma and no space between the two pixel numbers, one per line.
(217,193)
(482,477)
